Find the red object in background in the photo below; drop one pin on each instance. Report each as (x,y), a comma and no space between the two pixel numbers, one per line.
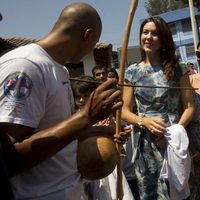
(191,71)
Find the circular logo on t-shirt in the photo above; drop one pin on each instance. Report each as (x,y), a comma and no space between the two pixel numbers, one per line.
(18,86)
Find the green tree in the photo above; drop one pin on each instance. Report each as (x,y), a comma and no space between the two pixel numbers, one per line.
(155,7)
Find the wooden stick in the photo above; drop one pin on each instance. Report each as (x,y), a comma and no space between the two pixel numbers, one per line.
(133,7)
(131,85)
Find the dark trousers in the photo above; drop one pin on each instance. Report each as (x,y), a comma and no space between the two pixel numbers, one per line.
(134,189)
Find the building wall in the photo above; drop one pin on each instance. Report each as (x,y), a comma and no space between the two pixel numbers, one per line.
(180,23)
(133,55)
(89,63)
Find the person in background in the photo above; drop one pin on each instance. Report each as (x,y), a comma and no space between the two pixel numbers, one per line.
(39,131)
(191,69)
(157,108)
(194,134)
(105,188)
(99,73)
(112,73)
(128,165)
(82,90)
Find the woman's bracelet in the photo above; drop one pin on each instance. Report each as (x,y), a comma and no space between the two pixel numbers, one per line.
(140,122)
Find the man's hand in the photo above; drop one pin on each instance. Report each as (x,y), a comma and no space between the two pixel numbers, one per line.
(105,100)
(123,136)
(108,131)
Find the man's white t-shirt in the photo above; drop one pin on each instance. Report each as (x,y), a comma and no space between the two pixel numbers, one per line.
(35,91)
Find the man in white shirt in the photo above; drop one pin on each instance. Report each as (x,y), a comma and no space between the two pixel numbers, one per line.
(39,129)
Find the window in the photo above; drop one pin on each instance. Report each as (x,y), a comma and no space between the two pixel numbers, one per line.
(172,27)
(186,26)
(190,51)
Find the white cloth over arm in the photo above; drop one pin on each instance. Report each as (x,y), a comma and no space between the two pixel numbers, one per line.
(177,163)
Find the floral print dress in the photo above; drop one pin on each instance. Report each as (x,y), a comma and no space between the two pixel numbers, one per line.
(160,102)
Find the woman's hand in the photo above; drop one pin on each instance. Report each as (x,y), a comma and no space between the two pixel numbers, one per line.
(156,125)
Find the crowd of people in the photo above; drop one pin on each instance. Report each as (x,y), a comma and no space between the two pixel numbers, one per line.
(44,116)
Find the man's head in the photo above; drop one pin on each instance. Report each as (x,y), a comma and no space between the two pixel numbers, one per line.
(75,33)
(99,73)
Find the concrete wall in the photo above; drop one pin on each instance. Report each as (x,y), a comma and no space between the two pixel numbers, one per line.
(89,63)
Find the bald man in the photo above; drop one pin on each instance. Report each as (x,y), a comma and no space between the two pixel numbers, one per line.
(38,127)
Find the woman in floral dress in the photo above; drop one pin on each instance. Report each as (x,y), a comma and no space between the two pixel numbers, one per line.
(157,108)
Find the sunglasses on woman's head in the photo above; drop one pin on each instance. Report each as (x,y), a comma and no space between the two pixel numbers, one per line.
(198,54)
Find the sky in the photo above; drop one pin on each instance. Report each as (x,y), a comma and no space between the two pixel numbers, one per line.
(35,18)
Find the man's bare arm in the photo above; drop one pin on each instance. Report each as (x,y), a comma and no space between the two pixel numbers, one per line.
(28,152)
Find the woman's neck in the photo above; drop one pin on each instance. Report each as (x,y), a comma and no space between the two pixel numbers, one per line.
(151,60)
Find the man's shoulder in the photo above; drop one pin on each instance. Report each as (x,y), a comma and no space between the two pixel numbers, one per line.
(28,55)
(30,51)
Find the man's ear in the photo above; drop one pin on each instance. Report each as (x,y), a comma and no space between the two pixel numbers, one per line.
(88,34)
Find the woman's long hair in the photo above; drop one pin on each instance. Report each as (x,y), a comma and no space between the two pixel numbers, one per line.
(167,51)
